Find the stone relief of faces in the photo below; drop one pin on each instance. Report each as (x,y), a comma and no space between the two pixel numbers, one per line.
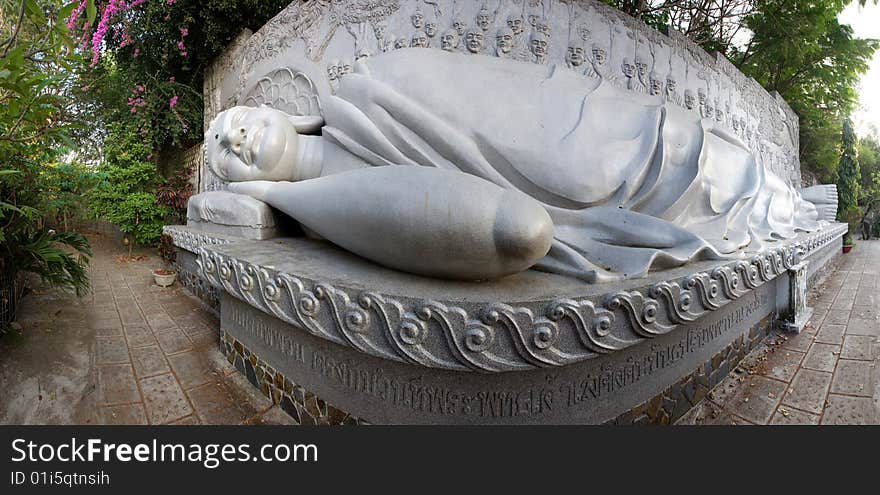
(484,19)
(600,56)
(628,68)
(655,87)
(701,95)
(539,44)
(515,23)
(689,100)
(400,43)
(431,29)
(379,32)
(333,71)
(418,19)
(449,40)
(575,56)
(474,41)
(459,26)
(503,42)
(642,69)
(419,40)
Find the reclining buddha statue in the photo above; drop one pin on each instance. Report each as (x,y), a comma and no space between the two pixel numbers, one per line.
(470,167)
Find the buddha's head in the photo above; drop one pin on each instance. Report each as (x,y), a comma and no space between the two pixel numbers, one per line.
(576,55)
(515,23)
(474,41)
(690,101)
(484,19)
(449,40)
(504,40)
(431,29)
(246,143)
(419,40)
(600,56)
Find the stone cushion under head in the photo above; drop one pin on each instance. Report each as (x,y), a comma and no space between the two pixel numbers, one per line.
(226,208)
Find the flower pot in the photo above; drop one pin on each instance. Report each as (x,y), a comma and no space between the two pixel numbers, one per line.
(848,247)
(164,278)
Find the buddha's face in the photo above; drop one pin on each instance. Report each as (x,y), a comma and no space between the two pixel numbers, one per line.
(419,40)
(379,31)
(504,40)
(431,29)
(539,46)
(515,24)
(483,20)
(599,55)
(656,86)
(400,43)
(642,67)
(576,56)
(629,70)
(418,20)
(671,85)
(474,41)
(689,101)
(449,41)
(701,95)
(460,27)
(247,143)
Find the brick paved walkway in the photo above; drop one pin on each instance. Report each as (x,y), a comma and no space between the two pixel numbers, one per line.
(128,353)
(828,374)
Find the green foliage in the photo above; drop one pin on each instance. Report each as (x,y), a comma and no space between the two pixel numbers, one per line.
(160,52)
(848,174)
(36,55)
(800,50)
(64,187)
(166,249)
(126,192)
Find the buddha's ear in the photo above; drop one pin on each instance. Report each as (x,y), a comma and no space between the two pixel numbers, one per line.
(307,124)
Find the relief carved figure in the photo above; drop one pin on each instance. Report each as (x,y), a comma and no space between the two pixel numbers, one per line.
(474,41)
(449,40)
(538,44)
(501,186)
(503,42)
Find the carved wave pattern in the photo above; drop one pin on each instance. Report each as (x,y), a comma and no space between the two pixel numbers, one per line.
(192,241)
(497,337)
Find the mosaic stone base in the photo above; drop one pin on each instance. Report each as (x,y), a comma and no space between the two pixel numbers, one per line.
(188,276)
(303,406)
(678,399)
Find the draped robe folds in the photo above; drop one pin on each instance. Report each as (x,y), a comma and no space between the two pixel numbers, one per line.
(632,184)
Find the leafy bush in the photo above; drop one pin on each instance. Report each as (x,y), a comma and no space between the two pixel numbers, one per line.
(126,192)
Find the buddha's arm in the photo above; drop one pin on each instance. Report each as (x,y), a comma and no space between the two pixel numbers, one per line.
(420,220)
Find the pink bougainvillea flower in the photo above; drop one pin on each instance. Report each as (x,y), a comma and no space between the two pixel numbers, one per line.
(184,32)
(173,102)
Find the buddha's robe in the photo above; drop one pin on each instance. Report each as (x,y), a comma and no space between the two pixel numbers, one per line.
(631,182)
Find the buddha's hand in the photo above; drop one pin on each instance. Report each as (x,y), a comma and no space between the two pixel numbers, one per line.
(257,189)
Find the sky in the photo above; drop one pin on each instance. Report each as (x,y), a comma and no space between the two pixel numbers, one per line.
(865,22)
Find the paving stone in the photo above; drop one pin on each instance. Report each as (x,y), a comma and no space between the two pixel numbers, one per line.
(782,364)
(191,369)
(109,331)
(845,410)
(858,326)
(755,399)
(858,347)
(111,350)
(116,385)
(149,361)
(821,357)
(215,405)
(164,400)
(800,342)
(867,298)
(853,378)
(710,414)
(173,341)
(807,391)
(831,334)
(128,414)
(139,336)
(836,316)
(160,321)
(866,312)
(790,416)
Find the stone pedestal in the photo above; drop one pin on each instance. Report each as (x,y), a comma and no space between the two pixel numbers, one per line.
(335,339)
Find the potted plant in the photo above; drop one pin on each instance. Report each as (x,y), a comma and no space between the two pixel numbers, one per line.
(848,243)
(165,276)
